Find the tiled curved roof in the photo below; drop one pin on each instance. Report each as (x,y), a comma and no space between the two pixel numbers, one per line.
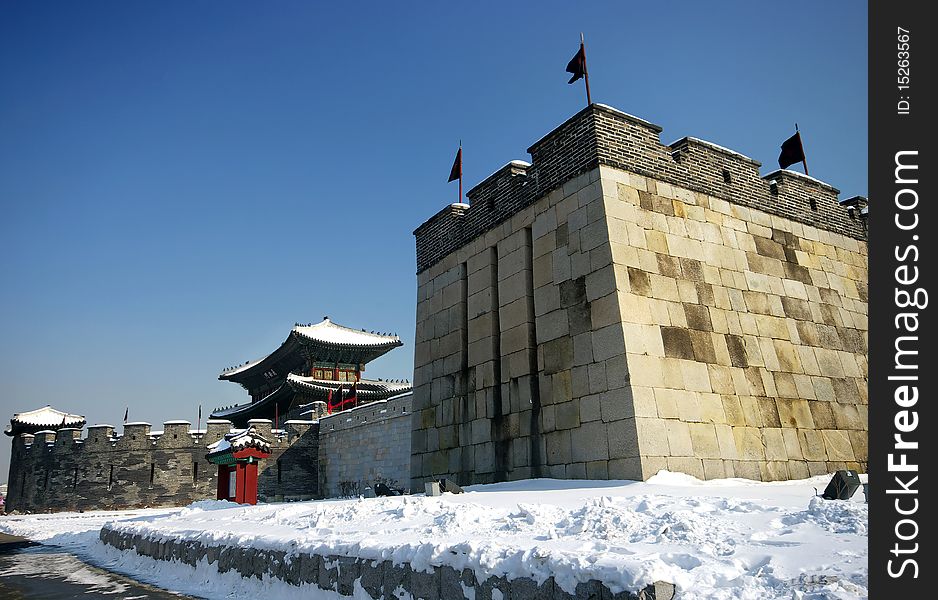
(327,334)
(365,387)
(282,394)
(45,418)
(248,438)
(330,333)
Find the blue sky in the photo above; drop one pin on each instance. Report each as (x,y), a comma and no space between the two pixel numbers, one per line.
(180,182)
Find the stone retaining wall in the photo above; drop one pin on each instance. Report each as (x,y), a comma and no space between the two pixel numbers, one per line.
(364,446)
(380,579)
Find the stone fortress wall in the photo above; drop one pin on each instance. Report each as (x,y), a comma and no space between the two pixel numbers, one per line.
(337,455)
(621,306)
(56,471)
(364,446)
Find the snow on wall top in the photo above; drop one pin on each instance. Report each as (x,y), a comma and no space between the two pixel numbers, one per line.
(798,175)
(717,147)
(613,109)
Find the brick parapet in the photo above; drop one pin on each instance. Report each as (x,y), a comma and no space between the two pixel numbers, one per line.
(601,135)
(380,410)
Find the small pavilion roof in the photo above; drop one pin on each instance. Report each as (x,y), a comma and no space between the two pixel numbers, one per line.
(235,442)
(45,418)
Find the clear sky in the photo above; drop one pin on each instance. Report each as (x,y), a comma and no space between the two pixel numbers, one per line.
(181,182)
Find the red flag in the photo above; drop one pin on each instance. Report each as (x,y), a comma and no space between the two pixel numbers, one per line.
(329,403)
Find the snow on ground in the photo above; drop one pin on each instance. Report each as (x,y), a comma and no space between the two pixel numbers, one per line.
(716,539)
(77,533)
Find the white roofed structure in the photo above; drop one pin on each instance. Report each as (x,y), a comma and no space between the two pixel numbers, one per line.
(43,419)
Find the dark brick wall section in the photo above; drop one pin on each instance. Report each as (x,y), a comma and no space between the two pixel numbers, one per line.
(600,135)
(62,471)
(499,196)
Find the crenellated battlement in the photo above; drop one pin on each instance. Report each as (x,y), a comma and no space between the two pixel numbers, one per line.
(602,135)
(138,436)
(64,470)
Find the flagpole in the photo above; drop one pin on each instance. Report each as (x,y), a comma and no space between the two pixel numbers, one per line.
(460,172)
(586,73)
(804,157)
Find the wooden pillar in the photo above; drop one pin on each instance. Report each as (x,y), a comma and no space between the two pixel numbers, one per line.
(250,483)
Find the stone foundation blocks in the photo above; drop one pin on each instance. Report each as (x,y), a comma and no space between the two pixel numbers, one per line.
(379,579)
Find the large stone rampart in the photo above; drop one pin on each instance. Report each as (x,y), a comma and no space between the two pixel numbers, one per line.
(620,307)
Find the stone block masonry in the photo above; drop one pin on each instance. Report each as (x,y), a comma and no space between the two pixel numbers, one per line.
(620,306)
(364,446)
(376,578)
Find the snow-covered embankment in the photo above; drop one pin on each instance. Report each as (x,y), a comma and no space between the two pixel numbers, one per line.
(717,539)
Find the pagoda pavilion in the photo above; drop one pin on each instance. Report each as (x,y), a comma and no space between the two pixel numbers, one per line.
(43,419)
(320,362)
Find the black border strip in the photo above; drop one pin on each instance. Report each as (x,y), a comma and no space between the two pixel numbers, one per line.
(902,271)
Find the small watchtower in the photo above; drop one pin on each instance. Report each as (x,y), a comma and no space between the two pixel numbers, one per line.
(237,456)
(43,419)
